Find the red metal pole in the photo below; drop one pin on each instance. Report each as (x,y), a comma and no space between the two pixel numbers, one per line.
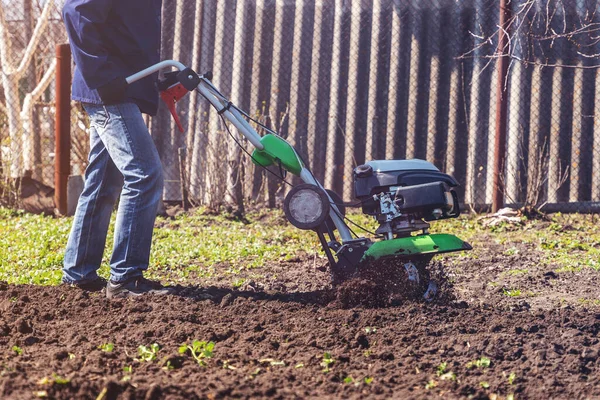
(62,154)
(501,106)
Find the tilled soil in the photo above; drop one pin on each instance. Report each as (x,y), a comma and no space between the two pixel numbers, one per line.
(271,338)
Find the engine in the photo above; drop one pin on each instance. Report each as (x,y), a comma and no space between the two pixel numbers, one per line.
(404,194)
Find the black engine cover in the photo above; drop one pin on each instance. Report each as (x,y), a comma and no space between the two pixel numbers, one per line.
(421,189)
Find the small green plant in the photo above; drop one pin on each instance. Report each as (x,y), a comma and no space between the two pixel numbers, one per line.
(483,362)
(272,362)
(368,380)
(54,380)
(443,374)
(370,329)
(511,292)
(168,366)
(17,350)
(199,349)
(227,365)
(484,385)
(511,378)
(128,369)
(431,384)
(107,347)
(441,369)
(327,362)
(149,353)
(349,379)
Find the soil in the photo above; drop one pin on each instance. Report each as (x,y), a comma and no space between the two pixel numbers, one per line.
(271,336)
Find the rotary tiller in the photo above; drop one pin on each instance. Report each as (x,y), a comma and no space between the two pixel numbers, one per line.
(402,195)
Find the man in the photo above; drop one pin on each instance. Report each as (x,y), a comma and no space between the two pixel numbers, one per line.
(111,40)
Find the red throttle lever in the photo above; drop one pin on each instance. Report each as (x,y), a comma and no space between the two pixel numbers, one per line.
(171,96)
(174,87)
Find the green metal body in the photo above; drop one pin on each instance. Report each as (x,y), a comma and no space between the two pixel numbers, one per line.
(415,245)
(277,149)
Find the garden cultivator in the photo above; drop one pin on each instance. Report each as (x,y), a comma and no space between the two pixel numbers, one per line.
(402,195)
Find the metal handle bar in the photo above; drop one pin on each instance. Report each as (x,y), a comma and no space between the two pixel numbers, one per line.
(243,126)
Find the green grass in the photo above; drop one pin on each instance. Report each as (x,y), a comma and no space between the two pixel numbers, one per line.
(203,245)
(32,246)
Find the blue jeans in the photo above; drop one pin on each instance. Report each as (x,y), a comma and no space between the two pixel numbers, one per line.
(123,160)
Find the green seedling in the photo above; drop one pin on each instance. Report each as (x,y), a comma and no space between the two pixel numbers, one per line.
(370,329)
(55,380)
(484,385)
(227,365)
(200,350)
(272,362)
(483,362)
(71,356)
(511,292)
(107,347)
(17,350)
(431,384)
(128,369)
(511,378)
(349,379)
(443,375)
(327,362)
(168,366)
(148,353)
(368,380)
(441,369)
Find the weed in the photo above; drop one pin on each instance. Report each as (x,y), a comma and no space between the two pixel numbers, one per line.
(511,378)
(431,384)
(483,362)
(107,347)
(199,350)
(271,362)
(368,380)
(148,353)
(238,283)
(451,376)
(227,365)
(17,350)
(484,385)
(54,380)
(256,372)
(128,369)
(441,369)
(168,366)
(511,292)
(327,362)
(349,379)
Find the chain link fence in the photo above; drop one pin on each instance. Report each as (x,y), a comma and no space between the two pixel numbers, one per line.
(347,81)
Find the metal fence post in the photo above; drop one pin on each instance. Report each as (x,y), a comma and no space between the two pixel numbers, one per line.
(62,154)
(501,106)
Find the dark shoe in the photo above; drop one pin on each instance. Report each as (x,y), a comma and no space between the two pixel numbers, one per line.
(137,286)
(96,285)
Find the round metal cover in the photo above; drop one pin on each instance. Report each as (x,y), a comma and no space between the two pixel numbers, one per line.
(306,206)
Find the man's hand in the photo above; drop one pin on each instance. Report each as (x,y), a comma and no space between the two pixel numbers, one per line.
(113,92)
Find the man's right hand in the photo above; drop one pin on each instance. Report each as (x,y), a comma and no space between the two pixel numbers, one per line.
(113,92)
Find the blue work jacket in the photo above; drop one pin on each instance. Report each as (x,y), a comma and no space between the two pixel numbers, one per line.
(114,39)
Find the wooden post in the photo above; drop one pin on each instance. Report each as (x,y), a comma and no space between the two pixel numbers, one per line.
(501,107)
(62,154)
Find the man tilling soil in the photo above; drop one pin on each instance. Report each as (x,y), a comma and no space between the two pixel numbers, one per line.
(111,40)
